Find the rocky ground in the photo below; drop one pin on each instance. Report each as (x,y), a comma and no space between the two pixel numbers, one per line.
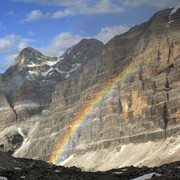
(19,168)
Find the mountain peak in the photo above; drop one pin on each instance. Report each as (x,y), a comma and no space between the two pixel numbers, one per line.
(30,51)
(28,55)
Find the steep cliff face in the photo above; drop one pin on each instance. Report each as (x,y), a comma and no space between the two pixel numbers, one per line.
(112,96)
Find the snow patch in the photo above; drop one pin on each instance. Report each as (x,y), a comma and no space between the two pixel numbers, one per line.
(51,63)
(32,65)
(175,9)
(57,171)
(122,170)
(22,60)
(67,75)
(60,58)
(3,178)
(146,176)
(74,68)
(76,55)
(59,71)
(117,172)
(169,22)
(122,147)
(66,160)
(17,168)
(46,72)
(33,72)
(20,131)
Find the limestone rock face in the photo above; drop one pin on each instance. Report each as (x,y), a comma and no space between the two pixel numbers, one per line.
(102,97)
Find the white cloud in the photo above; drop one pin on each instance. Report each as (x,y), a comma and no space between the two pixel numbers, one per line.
(108,33)
(10,46)
(66,40)
(54,2)
(60,42)
(60,14)
(106,6)
(13,42)
(34,16)
(159,3)
(74,7)
(100,7)
(9,60)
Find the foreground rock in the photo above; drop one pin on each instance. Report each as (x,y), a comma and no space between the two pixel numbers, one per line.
(15,169)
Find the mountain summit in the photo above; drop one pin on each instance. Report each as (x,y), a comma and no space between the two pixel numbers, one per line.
(28,55)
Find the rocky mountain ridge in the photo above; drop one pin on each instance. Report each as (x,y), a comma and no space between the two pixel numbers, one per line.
(41,97)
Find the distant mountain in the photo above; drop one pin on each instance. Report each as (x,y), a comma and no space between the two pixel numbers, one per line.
(98,106)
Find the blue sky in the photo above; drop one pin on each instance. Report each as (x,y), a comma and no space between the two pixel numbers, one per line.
(52,26)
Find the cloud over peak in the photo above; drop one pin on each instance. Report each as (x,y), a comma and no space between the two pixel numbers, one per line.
(70,8)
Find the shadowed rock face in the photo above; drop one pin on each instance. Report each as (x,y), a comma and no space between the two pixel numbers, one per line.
(142,105)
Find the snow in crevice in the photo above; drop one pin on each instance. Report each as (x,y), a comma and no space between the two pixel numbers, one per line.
(33,72)
(59,71)
(117,172)
(39,59)
(74,67)
(76,55)
(47,72)
(22,60)
(51,63)
(146,176)
(175,9)
(169,22)
(20,131)
(66,160)
(60,58)
(120,172)
(24,138)
(25,146)
(67,75)
(32,65)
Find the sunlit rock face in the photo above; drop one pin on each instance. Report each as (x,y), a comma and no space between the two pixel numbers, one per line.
(131,84)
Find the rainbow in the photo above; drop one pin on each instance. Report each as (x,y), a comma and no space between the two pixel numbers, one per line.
(56,156)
